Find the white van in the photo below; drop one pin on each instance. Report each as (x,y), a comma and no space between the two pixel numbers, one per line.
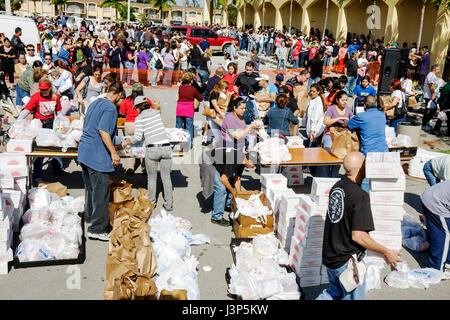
(30,32)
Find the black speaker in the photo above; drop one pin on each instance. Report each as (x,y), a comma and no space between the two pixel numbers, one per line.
(403,63)
(390,67)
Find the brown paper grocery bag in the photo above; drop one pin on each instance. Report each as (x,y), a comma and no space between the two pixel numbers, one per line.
(179,294)
(55,187)
(115,268)
(145,288)
(145,257)
(344,142)
(300,93)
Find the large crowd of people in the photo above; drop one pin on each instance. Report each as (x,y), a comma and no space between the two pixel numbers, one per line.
(68,76)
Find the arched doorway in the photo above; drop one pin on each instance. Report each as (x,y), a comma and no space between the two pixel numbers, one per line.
(316,13)
(409,13)
(296,14)
(248,14)
(269,14)
(357,16)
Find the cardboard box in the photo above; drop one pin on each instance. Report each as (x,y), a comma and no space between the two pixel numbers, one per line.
(383,165)
(312,252)
(322,186)
(324,279)
(396,184)
(293,169)
(14,197)
(274,181)
(19,146)
(309,262)
(373,256)
(12,159)
(5,234)
(275,194)
(388,227)
(383,198)
(289,203)
(315,232)
(249,232)
(309,272)
(320,200)
(300,228)
(293,175)
(6,181)
(16,171)
(5,245)
(312,208)
(246,221)
(391,242)
(309,281)
(393,213)
(293,182)
(383,157)
(316,221)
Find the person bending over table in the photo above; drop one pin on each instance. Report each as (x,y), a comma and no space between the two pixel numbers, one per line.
(44,105)
(150,127)
(98,157)
(435,207)
(337,115)
(437,170)
(278,118)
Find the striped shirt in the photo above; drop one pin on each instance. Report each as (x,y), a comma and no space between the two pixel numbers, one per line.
(149,126)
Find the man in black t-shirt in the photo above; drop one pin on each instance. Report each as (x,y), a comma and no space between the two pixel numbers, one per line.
(229,164)
(348,221)
(246,83)
(351,71)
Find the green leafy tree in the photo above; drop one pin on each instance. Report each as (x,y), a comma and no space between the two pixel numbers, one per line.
(162,5)
(116,4)
(15,5)
(59,6)
(232,14)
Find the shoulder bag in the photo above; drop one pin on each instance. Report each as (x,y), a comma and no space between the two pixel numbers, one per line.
(353,276)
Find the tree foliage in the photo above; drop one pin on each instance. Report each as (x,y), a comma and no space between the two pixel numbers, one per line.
(15,5)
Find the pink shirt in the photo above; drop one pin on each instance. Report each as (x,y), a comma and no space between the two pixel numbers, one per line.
(278,41)
(342,52)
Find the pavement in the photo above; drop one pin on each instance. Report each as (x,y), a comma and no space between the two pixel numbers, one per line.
(61,282)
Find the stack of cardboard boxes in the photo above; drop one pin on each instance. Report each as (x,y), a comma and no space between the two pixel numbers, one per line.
(387,188)
(13,183)
(294,176)
(287,214)
(306,246)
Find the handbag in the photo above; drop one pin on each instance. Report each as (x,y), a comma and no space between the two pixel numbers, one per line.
(353,276)
(412,101)
(344,142)
(403,110)
(209,112)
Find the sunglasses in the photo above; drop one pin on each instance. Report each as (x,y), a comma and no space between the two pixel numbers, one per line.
(30,49)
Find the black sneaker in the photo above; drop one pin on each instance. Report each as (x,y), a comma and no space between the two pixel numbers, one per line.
(228,209)
(222,222)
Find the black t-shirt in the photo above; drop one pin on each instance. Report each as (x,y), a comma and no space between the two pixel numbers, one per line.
(352,68)
(335,51)
(228,161)
(213,96)
(247,84)
(348,210)
(316,69)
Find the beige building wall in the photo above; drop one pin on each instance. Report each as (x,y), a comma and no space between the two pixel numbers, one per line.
(316,13)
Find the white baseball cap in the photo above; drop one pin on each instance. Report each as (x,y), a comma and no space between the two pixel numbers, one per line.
(263,77)
(139,100)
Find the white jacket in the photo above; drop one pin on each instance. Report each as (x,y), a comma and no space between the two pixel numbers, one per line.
(314,117)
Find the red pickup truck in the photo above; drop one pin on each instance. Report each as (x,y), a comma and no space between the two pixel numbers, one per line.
(196,34)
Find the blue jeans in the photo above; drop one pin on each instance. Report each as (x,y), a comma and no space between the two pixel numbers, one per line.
(330,171)
(204,76)
(394,122)
(260,50)
(20,94)
(428,172)
(351,84)
(303,58)
(312,81)
(281,64)
(337,292)
(439,237)
(222,198)
(296,64)
(326,61)
(187,124)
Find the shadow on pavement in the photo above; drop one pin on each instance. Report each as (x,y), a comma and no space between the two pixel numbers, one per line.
(414,201)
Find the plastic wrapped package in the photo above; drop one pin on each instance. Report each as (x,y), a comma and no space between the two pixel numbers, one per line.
(373,273)
(48,138)
(266,245)
(76,124)
(76,134)
(77,205)
(25,129)
(273,150)
(398,278)
(401,141)
(424,277)
(68,142)
(39,197)
(34,231)
(36,215)
(269,285)
(61,126)
(137,152)
(243,285)
(282,257)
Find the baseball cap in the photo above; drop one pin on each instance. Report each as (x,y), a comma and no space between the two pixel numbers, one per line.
(263,77)
(283,90)
(139,100)
(395,44)
(137,87)
(280,77)
(44,85)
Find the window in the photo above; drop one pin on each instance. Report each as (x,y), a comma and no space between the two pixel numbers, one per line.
(134,10)
(197,33)
(92,17)
(107,9)
(181,31)
(92,6)
(193,15)
(209,33)
(177,15)
(46,2)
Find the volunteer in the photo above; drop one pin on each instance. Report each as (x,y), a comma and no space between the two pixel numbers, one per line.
(435,207)
(229,159)
(348,221)
(98,157)
(268,91)
(315,113)
(371,124)
(337,115)
(437,170)
(279,118)
(150,127)
(44,105)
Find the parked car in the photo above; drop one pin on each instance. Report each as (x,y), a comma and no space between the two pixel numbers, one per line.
(196,34)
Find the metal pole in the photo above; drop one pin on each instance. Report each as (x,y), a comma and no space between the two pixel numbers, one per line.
(128,12)
(8,7)
(290,17)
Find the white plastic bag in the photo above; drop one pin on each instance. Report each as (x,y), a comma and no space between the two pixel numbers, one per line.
(76,134)
(68,142)
(61,126)
(48,138)
(77,124)
(442,115)
(39,197)
(424,277)
(398,278)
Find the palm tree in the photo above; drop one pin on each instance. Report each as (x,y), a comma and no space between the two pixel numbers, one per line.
(162,5)
(326,17)
(15,5)
(244,3)
(59,5)
(116,4)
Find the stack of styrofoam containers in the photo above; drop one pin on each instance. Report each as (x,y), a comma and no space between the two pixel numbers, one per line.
(294,176)
(287,213)
(6,235)
(306,246)
(13,181)
(273,185)
(387,188)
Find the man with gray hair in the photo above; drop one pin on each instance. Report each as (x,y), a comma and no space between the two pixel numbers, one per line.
(429,95)
(348,221)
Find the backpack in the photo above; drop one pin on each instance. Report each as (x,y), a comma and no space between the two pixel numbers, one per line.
(249,114)
(158,64)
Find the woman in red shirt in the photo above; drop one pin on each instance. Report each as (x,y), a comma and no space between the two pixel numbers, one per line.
(231,75)
(44,105)
(185,106)
(127,110)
